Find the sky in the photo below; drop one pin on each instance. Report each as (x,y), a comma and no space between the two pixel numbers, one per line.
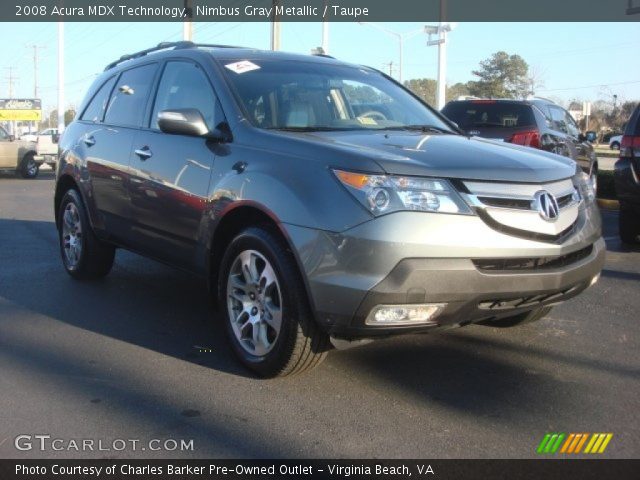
(583,61)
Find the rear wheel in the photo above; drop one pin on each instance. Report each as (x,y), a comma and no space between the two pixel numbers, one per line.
(615,146)
(628,223)
(520,319)
(83,255)
(28,167)
(268,319)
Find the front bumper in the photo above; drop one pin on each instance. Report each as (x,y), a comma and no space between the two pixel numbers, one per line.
(417,257)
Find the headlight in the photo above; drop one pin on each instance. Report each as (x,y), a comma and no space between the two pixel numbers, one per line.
(382,194)
(585,187)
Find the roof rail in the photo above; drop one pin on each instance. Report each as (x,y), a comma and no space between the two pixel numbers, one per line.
(164,46)
(544,99)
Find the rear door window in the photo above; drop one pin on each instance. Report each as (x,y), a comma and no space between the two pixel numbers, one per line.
(559,119)
(129,99)
(490,114)
(95,109)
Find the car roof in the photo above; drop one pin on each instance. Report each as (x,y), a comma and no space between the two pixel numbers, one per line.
(219,52)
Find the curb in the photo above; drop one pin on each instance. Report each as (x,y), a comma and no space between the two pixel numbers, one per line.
(608,204)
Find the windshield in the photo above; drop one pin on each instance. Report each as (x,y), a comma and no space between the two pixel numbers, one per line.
(297,95)
(489,114)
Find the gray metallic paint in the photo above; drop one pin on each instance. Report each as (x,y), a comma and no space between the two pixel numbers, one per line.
(150,207)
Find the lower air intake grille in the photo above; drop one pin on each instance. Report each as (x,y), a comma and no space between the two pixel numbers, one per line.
(532,263)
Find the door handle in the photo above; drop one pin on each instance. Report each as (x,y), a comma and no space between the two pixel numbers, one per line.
(144,153)
(89,141)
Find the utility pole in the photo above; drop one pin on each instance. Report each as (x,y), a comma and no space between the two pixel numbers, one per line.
(10,79)
(35,75)
(36,48)
(275,27)
(187,25)
(60,77)
(390,66)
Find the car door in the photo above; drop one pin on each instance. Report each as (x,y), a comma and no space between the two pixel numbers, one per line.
(108,143)
(170,174)
(7,160)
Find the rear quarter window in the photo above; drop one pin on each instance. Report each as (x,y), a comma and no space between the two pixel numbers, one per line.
(490,115)
(95,109)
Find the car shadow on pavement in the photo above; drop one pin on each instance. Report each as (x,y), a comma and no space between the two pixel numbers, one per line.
(140,302)
(161,309)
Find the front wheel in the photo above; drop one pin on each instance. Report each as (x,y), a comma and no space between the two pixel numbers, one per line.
(28,167)
(519,319)
(265,306)
(84,256)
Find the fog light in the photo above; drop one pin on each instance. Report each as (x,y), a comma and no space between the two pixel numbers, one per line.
(405,314)
(594,279)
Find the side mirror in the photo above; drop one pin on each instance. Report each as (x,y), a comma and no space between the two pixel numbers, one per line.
(183,121)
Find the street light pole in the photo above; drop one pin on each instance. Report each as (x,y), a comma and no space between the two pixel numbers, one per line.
(60,77)
(442,68)
(401,37)
(187,25)
(275,27)
(325,32)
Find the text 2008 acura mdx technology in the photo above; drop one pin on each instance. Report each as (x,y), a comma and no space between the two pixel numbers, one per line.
(322,201)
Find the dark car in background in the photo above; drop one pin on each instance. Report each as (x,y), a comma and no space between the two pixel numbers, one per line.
(537,123)
(627,180)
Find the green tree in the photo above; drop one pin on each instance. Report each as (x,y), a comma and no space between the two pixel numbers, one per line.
(457,90)
(425,88)
(501,76)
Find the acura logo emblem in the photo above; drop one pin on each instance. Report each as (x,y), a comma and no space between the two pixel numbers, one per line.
(546,205)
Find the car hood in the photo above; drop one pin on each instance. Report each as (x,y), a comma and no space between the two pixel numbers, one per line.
(451,156)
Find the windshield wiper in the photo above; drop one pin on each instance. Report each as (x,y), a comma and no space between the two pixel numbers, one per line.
(420,128)
(318,128)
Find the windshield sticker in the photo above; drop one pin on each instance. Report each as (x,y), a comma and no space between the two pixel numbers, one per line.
(367,121)
(242,67)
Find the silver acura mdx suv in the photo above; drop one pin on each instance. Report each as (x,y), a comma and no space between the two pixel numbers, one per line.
(322,201)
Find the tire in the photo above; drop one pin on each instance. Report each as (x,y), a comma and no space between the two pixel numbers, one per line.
(84,256)
(615,146)
(253,310)
(628,223)
(28,167)
(520,319)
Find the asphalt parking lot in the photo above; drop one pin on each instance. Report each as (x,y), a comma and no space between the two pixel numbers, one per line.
(121,359)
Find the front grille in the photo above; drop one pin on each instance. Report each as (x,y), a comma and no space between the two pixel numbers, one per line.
(530,301)
(520,204)
(506,202)
(513,208)
(531,263)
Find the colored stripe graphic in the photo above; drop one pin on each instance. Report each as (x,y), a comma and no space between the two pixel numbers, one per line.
(572,443)
(550,443)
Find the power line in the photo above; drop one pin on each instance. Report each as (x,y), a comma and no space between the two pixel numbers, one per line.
(588,86)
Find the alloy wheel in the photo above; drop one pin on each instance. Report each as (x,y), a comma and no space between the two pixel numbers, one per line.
(72,235)
(254,302)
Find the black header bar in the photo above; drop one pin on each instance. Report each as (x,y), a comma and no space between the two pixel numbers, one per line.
(317,10)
